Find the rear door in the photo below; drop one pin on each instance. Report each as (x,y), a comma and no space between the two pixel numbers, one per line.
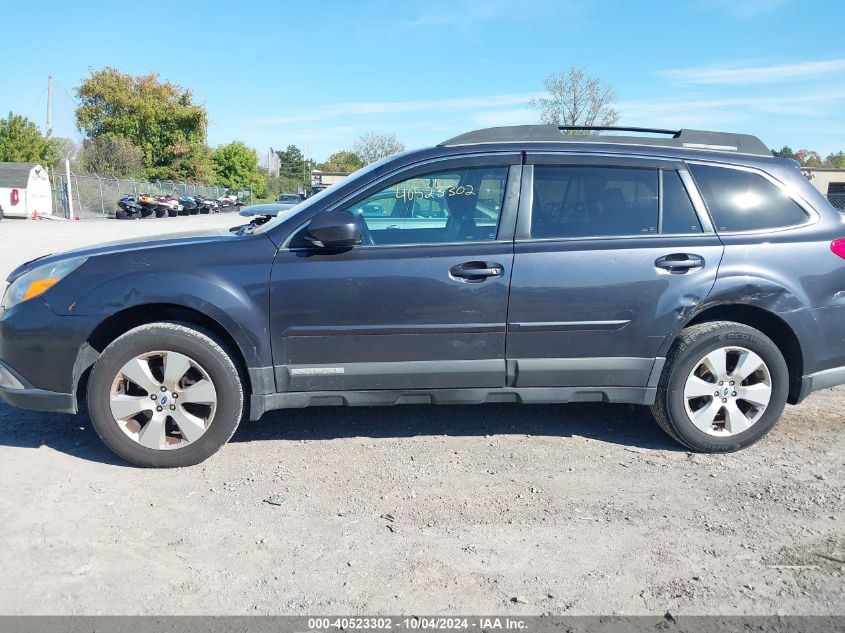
(422,304)
(610,253)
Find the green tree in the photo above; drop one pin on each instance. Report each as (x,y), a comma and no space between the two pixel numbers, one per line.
(835,160)
(292,164)
(22,142)
(784,152)
(158,117)
(373,146)
(344,160)
(236,166)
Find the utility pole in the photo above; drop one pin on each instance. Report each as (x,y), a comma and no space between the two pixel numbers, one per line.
(49,105)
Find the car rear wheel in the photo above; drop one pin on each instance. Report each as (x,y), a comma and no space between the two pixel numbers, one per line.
(165,395)
(724,387)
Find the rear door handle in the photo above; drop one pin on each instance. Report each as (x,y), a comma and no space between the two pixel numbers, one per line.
(680,263)
(476,271)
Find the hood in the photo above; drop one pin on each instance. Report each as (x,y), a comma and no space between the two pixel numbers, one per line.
(155,241)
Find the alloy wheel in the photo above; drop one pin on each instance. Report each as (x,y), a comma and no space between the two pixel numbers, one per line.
(727,391)
(163,400)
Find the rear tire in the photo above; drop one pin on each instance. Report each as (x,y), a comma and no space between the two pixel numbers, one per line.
(120,214)
(165,432)
(711,358)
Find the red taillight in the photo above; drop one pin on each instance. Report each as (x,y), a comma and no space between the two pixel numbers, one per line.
(15,196)
(838,247)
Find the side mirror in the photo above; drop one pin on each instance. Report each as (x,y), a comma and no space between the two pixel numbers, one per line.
(334,229)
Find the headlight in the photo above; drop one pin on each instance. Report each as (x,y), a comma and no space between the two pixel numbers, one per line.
(38,280)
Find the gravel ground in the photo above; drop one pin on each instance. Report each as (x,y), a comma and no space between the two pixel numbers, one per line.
(569,509)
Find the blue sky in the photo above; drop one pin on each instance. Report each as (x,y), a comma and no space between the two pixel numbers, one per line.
(319,74)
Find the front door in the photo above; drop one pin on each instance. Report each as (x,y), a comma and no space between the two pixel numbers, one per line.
(610,254)
(421,304)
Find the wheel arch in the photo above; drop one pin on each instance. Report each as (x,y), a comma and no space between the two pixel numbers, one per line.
(761,319)
(121,322)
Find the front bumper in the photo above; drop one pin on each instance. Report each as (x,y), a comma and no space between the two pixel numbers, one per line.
(41,356)
(18,392)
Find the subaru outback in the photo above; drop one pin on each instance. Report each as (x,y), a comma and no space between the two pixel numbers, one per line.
(688,271)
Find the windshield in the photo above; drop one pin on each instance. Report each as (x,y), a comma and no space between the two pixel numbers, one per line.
(309,202)
(289,199)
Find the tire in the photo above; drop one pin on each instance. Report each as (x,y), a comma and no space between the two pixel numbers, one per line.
(120,214)
(209,360)
(160,213)
(172,213)
(681,380)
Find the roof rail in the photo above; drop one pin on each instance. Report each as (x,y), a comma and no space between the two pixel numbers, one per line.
(682,139)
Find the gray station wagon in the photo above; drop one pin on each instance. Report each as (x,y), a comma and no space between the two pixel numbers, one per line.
(688,271)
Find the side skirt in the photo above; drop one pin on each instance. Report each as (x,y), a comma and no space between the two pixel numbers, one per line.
(260,404)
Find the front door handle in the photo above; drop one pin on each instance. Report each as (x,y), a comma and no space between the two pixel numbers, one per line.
(680,263)
(476,271)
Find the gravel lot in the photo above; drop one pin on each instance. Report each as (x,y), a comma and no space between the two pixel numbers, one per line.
(570,509)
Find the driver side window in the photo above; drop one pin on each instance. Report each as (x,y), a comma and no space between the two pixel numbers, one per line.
(453,205)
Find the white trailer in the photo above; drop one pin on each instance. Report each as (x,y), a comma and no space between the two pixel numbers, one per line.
(25,190)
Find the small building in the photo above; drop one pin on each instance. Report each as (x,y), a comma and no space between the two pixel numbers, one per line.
(830,182)
(25,190)
(323,179)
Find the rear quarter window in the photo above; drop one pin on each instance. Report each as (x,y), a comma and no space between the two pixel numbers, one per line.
(744,201)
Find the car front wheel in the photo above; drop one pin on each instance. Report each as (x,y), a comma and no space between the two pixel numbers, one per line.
(165,395)
(724,387)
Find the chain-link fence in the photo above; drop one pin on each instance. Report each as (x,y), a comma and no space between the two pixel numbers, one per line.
(837,200)
(97,197)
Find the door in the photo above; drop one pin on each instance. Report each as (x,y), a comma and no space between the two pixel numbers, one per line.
(610,254)
(422,303)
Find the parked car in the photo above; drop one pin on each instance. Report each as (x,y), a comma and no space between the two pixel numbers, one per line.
(291,198)
(691,272)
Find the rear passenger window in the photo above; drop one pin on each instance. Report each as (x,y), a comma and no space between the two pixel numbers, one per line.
(594,202)
(679,215)
(744,201)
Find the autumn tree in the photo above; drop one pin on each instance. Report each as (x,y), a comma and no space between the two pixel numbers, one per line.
(158,117)
(373,146)
(808,158)
(22,142)
(116,157)
(575,99)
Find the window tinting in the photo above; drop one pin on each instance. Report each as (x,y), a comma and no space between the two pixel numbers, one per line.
(458,205)
(593,202)
(744,201)
(678,213)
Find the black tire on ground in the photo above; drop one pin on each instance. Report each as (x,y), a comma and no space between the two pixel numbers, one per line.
(172,213)
(183,338)
(160,212)
(120,214)
(193,210)
(204,210)
(691,346)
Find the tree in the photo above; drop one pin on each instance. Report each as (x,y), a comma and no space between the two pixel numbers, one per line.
(836,160)
(116,157)
(344,160)
(22,142)
(236,166)
(576,99)
(784,152)
(292,163)
(373,146)
(158,117)
(808,158)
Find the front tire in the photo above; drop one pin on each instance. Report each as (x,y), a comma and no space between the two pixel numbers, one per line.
(723,387)
(165,395)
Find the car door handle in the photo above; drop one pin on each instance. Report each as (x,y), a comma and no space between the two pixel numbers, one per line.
(476,271)
(680,263)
